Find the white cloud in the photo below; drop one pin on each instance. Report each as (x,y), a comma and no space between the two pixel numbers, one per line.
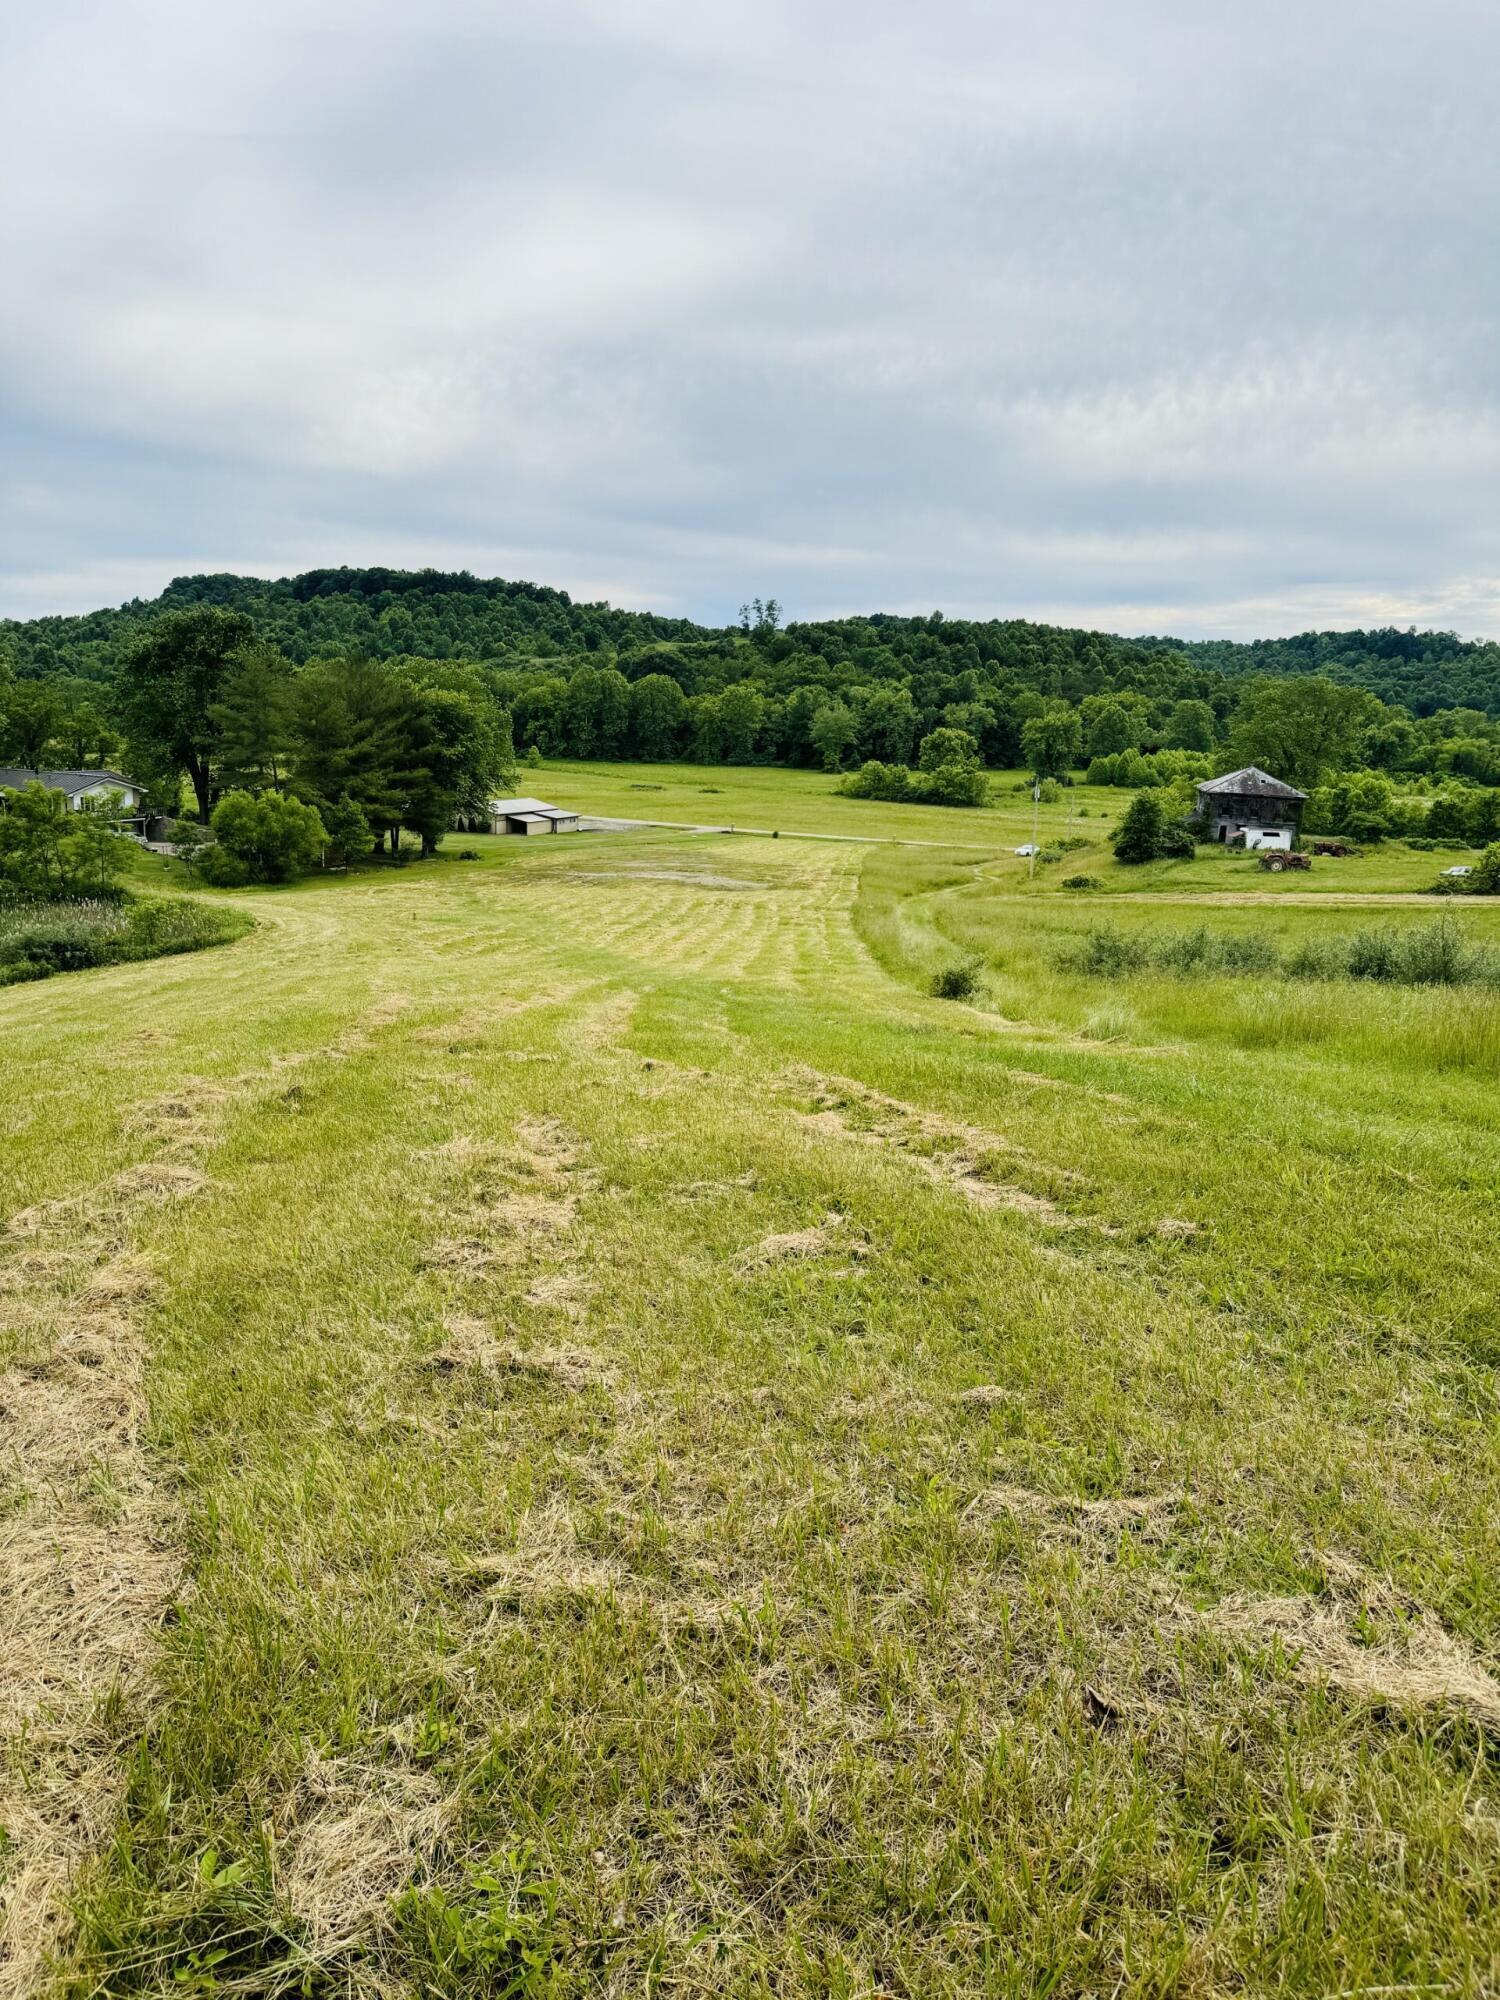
(1157,313)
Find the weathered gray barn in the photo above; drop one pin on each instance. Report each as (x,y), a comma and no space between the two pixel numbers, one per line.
(1252,807)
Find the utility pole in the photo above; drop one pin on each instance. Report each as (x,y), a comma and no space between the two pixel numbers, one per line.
(1036,807)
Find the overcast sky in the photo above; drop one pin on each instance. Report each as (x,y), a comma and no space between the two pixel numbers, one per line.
(1157,315)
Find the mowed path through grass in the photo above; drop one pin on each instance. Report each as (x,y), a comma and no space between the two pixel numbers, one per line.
(568,1430)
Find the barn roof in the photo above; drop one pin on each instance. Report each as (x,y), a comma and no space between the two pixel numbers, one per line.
(65,781)
(1252,783)
(518,808)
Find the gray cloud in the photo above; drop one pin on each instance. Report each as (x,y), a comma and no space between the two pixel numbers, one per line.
(1117,312)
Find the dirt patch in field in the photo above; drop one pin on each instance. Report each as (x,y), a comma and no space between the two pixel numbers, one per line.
(471,1254)
(522,1205)
(989,1396)
(460,1150)
(1421,1665)
(708,1190)
(181,1120)
(700,879)
(386,1010)
(605,1023)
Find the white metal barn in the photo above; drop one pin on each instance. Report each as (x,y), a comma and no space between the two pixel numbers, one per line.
(528,816)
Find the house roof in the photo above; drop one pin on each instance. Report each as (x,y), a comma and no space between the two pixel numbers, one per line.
(519,808)
(65,781)
(1252,783)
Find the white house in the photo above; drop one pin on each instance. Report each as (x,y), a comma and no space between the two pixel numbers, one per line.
(528,816)
(80,788)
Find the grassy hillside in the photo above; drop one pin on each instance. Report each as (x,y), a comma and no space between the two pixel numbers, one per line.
(583,1434)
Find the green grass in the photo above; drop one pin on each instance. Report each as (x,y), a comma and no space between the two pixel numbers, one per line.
(809,802)
(556,1549)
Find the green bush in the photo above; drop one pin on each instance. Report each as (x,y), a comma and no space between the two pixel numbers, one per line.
(272,837)
(1204,950)
(1107,952)
(1082,882)
(952,784)
(958,982)
(1485,881)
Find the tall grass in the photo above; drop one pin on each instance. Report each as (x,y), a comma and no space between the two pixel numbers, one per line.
(38,939)
(1438,953)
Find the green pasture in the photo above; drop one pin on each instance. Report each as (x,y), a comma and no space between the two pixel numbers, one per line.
(586,1435)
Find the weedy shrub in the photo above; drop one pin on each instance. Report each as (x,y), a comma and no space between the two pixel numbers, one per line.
(1106,952)
(1432,954)
(1439,954)
(39,939)
(958,982)
(1372,955)
(1082,882)
(1204,950)
(1319,958)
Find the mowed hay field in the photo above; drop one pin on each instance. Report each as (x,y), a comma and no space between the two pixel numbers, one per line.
(568,1430)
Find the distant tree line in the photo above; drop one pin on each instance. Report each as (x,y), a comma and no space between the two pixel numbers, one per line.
(400,697)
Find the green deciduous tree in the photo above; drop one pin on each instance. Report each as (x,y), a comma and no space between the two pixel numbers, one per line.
(658,718)
(1108,728)
(1051,742)
(944,747)
(46,850)
(742,710)
(832,731)
(1303,729)
(33,715)
(175,675)
(1190,726)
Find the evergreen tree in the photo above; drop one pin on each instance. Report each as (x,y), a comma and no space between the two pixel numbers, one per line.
(355,731)
(255,719)
(1141,833)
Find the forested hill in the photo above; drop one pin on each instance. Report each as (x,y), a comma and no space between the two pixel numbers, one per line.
(387,614)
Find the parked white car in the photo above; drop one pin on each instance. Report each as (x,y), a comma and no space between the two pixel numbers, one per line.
(1462,868)
(1030,848)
